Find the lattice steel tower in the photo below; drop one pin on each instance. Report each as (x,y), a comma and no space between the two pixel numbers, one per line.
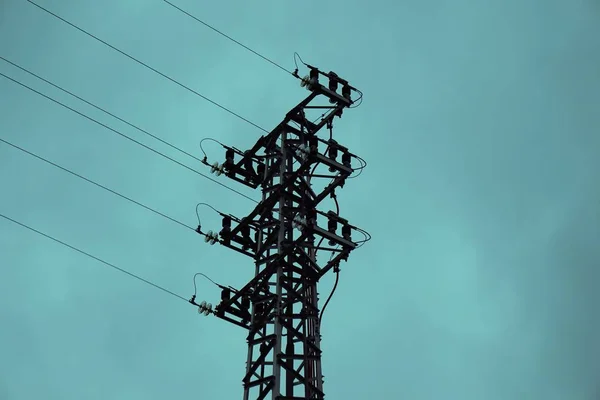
(279,306)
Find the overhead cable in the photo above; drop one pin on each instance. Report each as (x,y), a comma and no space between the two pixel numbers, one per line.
(96,184)
(149,67)
(207,205)
(337,279)
(126,137)
(205,276)
(228,37)
(100,108)
(94,257)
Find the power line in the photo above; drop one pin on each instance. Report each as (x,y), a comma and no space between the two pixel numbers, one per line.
(100,108)
(337,279)
(96,184)
(228,37)
(94,257)
(205,276)
(126,137)
(149,67)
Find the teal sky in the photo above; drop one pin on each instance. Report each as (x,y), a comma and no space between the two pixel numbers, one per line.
(480,124)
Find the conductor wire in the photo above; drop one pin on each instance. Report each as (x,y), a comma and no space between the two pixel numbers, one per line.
(99,108)
(228,37)
(205,276)
(337,278)
(94,257)
(207,205)
(210,139)
(148,66)
(94,183)
(125,136)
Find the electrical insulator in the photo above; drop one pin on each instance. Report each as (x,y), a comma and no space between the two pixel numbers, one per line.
(346,232)
(225,294)
(333,153)
(226,224)
(332,225)
(333,81)
(314,78)
(347,159)
(245,303)
(248,164)
(205,308)
(229,154)
(211,237)
(260,169)
(333,85)
(217,169)
(305,82)
(226,229)
(245,232)
(346,93)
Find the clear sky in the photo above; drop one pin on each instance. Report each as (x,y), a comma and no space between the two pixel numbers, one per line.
(480,123)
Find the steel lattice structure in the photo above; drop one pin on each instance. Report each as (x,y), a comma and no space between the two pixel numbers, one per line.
(279,306)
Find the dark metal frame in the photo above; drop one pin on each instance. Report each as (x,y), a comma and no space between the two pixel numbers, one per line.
(279,306)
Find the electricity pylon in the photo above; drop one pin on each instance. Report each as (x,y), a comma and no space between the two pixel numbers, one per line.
(279,306)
